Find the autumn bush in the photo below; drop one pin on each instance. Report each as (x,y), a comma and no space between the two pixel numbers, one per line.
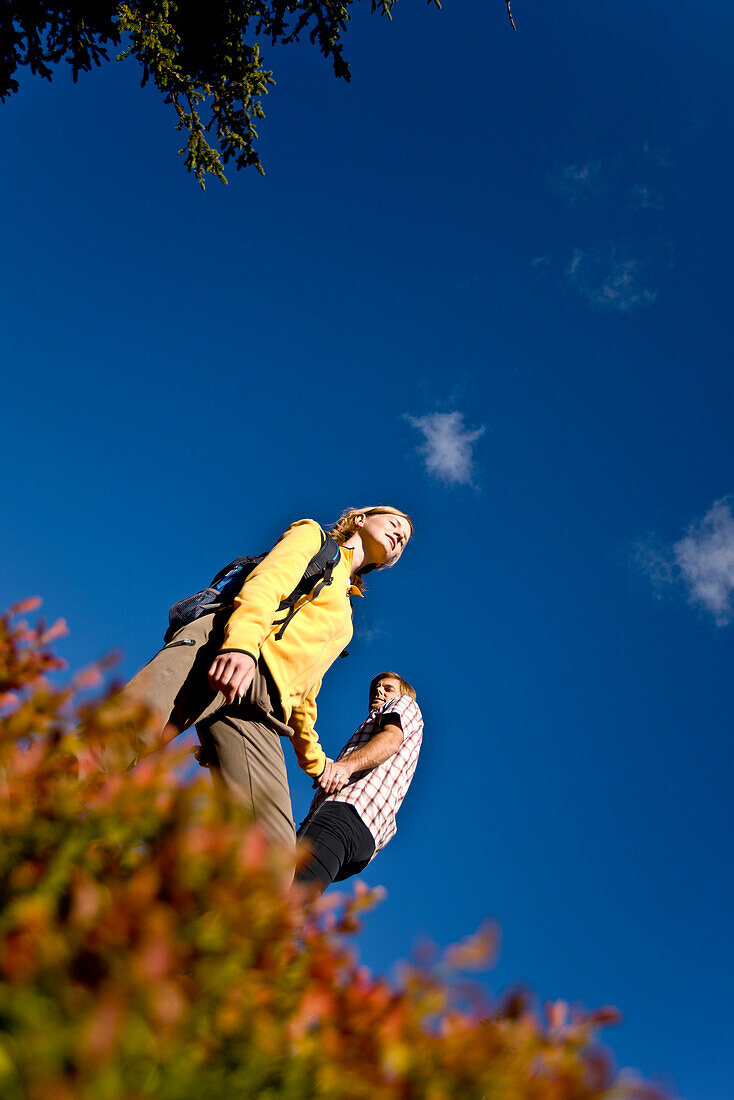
(150,946)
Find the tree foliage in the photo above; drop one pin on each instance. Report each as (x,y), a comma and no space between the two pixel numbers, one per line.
(205,59)
(149,946)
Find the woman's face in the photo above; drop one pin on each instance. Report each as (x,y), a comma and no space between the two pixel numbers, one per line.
(384,536)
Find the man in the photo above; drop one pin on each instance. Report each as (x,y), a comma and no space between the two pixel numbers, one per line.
(353,815)
(245,683)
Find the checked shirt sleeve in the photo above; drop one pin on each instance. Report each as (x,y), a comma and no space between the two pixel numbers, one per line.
(403,712)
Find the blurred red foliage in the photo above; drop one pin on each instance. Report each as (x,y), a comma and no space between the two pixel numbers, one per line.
(150,947)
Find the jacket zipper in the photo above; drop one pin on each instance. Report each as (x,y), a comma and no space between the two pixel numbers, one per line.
(309,668)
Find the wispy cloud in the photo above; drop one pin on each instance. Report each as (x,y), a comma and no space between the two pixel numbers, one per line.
(469,282)
(576,181)
(643,198)
(605,280)
(447,449)
(660,155)
(702,562)
(624,197)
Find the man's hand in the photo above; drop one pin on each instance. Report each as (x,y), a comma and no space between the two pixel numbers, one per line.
(334,776)
(231,673)
(380,747)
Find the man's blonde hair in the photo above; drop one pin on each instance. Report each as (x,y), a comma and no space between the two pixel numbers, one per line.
(405,687)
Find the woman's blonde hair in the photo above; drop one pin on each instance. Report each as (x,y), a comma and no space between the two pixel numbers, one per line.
(345,526)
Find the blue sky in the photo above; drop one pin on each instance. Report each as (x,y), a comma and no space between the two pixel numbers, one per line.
(487,281)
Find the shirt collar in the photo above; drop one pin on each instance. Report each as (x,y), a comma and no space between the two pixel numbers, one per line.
(348,553)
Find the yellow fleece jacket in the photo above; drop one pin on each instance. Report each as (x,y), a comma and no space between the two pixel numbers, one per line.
(313,640)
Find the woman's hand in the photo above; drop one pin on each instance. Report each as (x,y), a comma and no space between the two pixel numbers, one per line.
(232,673)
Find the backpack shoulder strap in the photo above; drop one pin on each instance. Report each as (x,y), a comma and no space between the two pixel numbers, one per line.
(317,575)
(236,567)
(324,559)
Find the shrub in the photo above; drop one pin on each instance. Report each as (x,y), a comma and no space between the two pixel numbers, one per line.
(150,946)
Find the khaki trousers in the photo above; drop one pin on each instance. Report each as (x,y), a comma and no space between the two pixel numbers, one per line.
(240,743)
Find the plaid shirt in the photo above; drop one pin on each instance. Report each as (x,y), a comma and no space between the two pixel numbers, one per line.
(376,794)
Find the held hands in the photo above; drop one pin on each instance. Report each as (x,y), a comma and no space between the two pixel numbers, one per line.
(334,776)
(232,673)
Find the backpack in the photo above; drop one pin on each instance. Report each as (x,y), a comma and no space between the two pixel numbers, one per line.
(228,582)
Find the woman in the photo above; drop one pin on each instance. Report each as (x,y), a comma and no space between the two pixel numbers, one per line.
(245,683)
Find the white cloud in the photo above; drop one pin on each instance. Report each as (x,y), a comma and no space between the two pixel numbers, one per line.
(705,558)
(605,280)
(702,562)
(448,447)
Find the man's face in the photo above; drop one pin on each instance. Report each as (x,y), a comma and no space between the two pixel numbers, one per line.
(385,536)
(386,688)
